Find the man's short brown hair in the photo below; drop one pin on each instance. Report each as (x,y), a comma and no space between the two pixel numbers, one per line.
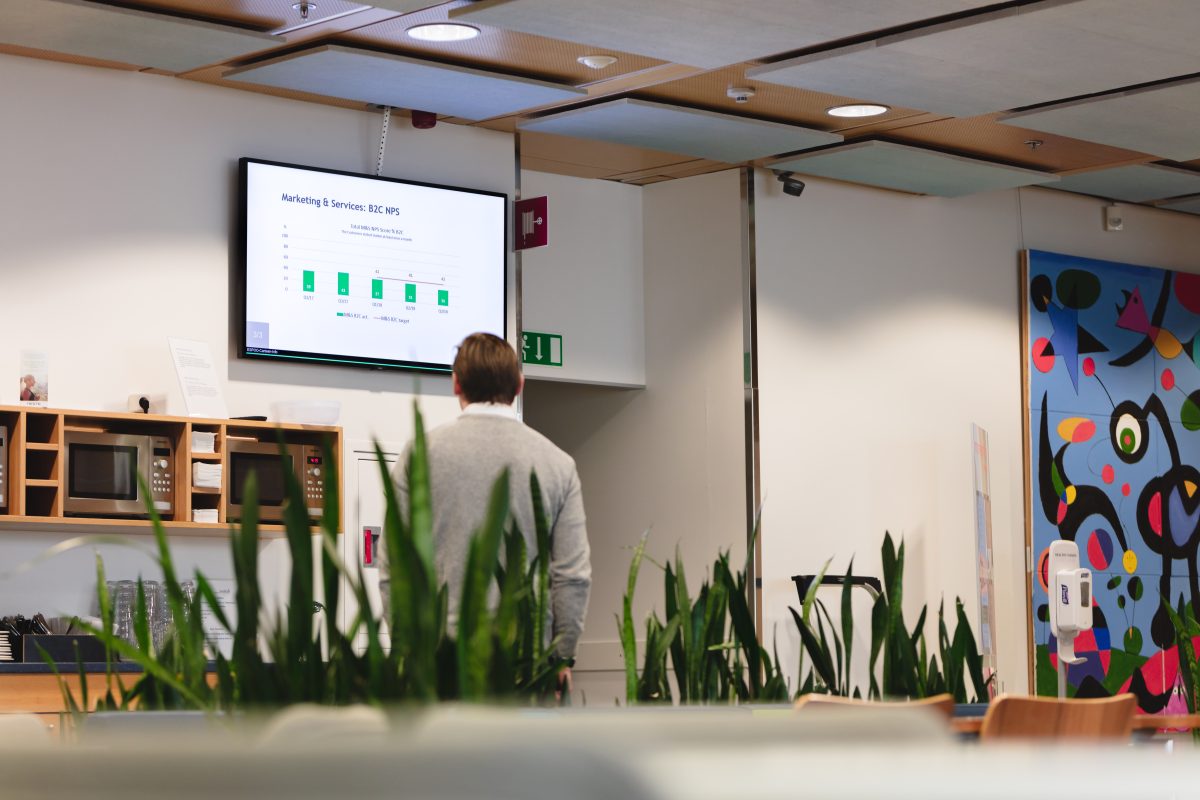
(487,369)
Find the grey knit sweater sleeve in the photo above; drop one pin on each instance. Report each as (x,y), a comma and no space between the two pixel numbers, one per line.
(570,570)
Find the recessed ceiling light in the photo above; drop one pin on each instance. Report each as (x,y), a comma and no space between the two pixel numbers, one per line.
(597,62)
(857,110)
(443,32)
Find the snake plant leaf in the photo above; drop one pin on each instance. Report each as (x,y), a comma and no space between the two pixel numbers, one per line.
(672,604)
(1189,668)
(542,532)
(806,606)
(847,625)
(625,627)
(475,644)
(331,572)
(743,627)
(818,654)
(974,659)
(835,649)
(420,498)
(879,615)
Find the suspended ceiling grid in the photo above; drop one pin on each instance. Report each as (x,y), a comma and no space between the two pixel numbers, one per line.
(1105,47)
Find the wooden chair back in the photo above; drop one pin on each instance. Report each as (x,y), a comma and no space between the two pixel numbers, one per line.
(1012,717)
(941,703)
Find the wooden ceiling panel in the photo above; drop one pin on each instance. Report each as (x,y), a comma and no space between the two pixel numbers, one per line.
(683,169)
(617,158)
(496,49)
(770,101)
(536,164)
(983,137)
(66,58)
(648,180)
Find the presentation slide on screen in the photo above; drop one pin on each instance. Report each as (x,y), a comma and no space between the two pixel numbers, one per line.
(348,267)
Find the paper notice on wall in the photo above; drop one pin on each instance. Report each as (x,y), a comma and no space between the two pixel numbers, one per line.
(983,553)
(214,632)
(198,379)
(35,378)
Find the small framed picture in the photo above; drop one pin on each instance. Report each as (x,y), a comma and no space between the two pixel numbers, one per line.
(35,378)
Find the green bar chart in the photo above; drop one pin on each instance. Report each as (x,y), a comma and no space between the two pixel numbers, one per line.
(310,280)
(443,297)
(344,283)
(377,288)
(410,293)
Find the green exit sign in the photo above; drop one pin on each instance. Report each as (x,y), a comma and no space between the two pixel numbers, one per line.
(544,349)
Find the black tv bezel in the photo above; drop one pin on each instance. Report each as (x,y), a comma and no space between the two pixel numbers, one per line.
(331,359)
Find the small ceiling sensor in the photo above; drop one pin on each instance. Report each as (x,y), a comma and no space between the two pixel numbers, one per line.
(597,62)
(443,32)
(304,8)
(857,110)
(740,94)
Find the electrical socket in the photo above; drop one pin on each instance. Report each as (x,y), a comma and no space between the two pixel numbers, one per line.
(1113,218)
(157,402)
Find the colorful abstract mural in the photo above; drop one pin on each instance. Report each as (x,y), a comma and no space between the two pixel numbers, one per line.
(1113,378)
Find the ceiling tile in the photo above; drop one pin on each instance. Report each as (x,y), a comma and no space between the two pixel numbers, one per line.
(705,134)
(1009,59)
(403,82)
(108,33)
(403,6)
(705,33)
(1134,184)
(1189,205)
(260,14)
(493,49)
(910,169)
(1160,120)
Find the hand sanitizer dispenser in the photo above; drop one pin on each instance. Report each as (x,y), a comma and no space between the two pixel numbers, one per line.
(1070,604)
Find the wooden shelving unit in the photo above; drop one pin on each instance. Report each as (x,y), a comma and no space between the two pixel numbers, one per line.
(37,483)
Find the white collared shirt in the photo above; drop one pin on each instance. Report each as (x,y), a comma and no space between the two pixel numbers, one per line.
(493,410)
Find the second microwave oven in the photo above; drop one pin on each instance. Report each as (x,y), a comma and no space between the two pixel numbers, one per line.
(263,460)
(102,474)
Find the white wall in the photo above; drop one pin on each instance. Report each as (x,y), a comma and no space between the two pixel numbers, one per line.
(667,458)
(889,323)
(116,224)
(586,284)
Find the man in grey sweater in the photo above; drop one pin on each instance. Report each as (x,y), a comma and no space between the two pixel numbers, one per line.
(465,458)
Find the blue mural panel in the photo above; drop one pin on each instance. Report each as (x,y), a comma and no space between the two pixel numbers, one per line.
(1114,426)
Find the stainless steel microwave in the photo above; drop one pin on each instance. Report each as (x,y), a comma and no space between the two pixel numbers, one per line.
(102,474)
(263,460)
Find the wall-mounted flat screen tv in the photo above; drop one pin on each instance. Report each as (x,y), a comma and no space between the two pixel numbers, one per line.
(354,269)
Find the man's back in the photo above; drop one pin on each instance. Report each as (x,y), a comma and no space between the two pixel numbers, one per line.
(465,458)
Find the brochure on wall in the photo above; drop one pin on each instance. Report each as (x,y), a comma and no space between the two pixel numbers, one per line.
(214,631)
(983,552)
(198,379)
(35,378)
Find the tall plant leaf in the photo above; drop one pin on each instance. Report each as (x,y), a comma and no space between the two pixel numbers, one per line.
(625,623)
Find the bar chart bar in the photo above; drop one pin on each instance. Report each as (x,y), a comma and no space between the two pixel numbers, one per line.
(310,280)
(410,293)
(377,288)
(344,283)
(443,297)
